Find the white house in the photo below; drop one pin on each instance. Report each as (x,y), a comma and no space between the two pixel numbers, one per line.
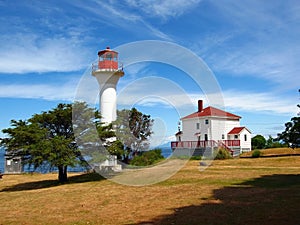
(212,127)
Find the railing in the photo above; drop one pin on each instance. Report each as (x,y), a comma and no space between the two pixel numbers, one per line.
(193,144)
(232,142)
(107,65)
(204,144)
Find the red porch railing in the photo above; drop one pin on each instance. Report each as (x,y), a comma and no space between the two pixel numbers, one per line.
(232,142)
(203,144)
(193,144)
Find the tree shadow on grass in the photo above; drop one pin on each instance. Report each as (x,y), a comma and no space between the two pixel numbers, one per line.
(34,185)
(271,199)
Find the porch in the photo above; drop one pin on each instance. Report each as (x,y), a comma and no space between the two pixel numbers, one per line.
(233,146)
(204,144)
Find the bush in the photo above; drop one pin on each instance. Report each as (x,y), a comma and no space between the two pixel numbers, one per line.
(198,157)
(258,142)
(223,154)
(256,154)
(147,158)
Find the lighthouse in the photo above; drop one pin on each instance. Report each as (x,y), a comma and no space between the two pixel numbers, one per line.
(107,71)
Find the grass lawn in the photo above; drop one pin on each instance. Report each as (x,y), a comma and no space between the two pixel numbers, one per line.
(235,191)
(275,152)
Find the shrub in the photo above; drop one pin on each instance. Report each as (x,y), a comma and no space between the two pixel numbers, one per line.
(223,154)
(198,157)
(147,158)
(256,154)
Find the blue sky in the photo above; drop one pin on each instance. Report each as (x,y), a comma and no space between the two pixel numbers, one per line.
(252,47)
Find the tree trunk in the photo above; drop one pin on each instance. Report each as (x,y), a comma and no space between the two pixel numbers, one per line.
(62,174)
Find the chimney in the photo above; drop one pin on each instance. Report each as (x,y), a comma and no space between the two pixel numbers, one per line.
(200,105)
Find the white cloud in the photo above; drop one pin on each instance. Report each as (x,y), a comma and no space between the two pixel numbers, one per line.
(260,40)
(154,91)
(118,15)
(259,102)
(163,9)
(39,91)
(30,53)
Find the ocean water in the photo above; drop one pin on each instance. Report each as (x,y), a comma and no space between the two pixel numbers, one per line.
(166,152)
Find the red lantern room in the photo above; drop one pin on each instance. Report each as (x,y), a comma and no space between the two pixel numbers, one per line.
(108,59)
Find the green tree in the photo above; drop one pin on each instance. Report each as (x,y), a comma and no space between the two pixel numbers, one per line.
(291,134)
(133,129)
(92,136)
(147,158)
(116,148)
(269,142)
(258,142)
(46,138)
(274,143)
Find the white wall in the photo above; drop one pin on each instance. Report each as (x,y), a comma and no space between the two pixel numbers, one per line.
(214,129)
(245,145)
(221,126)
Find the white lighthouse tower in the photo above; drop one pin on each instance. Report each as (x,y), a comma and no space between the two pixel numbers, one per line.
(108,71)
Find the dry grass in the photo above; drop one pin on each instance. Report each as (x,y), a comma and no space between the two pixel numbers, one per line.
(275,152)
(237,191)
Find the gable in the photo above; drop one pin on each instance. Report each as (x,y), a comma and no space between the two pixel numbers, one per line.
(238,130)
(212,112)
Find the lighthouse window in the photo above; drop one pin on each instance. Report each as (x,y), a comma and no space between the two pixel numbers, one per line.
(108,57)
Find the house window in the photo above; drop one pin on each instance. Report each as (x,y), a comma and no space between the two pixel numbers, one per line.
(245,137)
(236,136)
(205,137)
(206,121)
(223,136)
(198,126)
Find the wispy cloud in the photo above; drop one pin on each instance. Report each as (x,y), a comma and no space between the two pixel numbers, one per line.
(159,92)
(30,53)
(155,91)
(260,40)
(63,92)
(163,9)
(259,102)
(117,15)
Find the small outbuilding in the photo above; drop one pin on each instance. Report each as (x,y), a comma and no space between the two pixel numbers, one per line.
(13,164)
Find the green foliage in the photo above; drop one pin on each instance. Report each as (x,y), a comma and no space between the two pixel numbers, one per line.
(256,154)
(196,157)
(117,148)
(223,154)
(258,142)
(291,134)
(147,158)
(133,130)
(47,137)
(274,143)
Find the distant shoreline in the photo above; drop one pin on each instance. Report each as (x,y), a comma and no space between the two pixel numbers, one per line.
(166,152)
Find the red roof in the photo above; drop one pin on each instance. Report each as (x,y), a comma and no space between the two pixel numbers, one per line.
(237,130)
(211,111)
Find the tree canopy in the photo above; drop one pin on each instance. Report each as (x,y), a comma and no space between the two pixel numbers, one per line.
(291,134)
(45,138)
(70,133)
(258,142)
(133,130)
